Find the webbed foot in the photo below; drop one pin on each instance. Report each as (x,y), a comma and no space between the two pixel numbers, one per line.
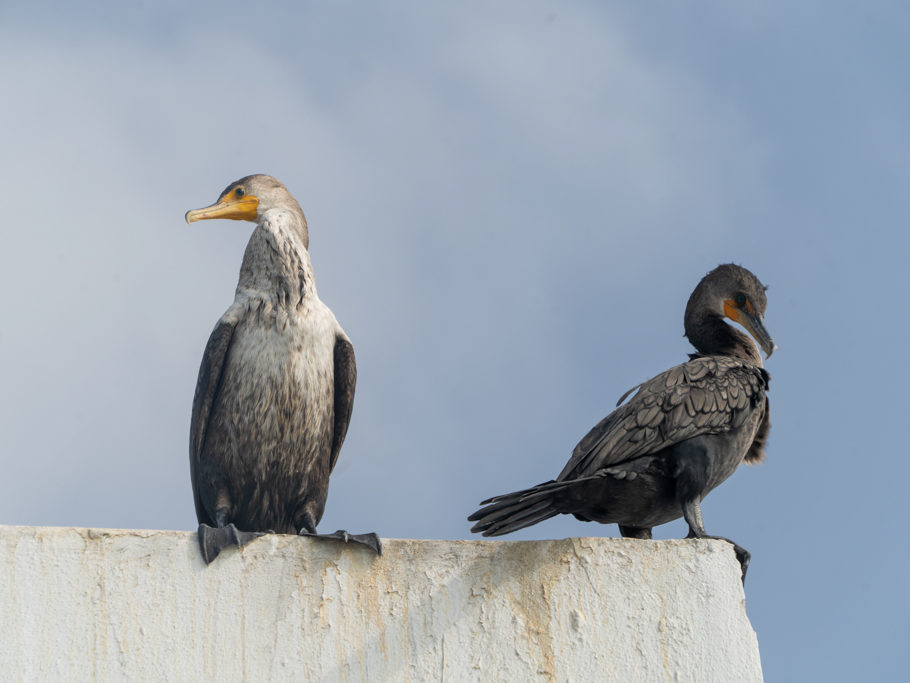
(213,540)
(743,555)
(370,540)
(692,513)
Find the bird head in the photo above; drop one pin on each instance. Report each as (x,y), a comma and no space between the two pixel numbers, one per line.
(731,291)
(248,199)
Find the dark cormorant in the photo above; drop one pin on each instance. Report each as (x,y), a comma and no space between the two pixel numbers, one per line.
(276,385)
(654,459)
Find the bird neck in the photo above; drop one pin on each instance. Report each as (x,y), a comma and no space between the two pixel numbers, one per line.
(711,336)
(276,263)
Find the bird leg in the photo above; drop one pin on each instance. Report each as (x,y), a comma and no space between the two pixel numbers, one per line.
(370,540)
(692,514)
(643,533)
(213,540)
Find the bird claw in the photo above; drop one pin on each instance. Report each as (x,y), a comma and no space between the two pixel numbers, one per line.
(744,557)
(212,540)
(370,540)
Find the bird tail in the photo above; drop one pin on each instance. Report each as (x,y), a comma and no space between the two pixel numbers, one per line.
(513,511)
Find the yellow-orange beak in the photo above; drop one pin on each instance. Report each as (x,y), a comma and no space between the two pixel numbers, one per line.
(236,208)
(752,321)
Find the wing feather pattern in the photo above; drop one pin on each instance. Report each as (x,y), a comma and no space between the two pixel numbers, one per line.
(707,395)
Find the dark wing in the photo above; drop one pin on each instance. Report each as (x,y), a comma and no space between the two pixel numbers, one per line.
(345,381)
(210,371)
(707,395)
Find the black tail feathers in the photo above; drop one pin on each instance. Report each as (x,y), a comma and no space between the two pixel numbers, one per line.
(513,511)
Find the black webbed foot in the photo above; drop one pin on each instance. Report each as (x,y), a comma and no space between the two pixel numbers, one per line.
(743,555)
(692,514)
(213,540)
(370,540)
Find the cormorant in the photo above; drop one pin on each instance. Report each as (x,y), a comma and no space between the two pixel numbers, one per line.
(276,385)
(654,459)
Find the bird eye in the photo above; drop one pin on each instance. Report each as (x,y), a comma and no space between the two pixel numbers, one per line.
(238,192)
(740,299)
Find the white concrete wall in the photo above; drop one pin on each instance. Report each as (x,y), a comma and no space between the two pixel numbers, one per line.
(88,604)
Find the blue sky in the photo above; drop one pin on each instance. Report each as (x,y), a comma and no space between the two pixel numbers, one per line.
(509,206)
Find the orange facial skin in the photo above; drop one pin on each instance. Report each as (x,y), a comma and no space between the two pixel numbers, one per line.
(243,208)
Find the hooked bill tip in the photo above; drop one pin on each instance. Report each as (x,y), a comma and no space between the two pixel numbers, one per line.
(192,215)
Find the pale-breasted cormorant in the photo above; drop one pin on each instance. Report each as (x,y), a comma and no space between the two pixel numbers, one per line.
(276,385)
(653,459)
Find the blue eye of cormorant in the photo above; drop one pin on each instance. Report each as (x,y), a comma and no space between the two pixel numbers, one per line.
(740,299)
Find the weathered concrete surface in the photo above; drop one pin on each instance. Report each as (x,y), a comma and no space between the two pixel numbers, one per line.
(107,605)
